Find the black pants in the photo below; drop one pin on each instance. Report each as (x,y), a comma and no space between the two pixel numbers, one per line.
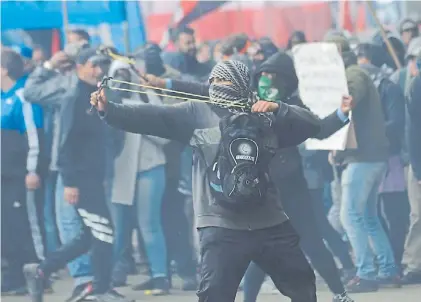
(226,254)
(299,209)
(17,246)
(96,236)
(332,237)
(395,219)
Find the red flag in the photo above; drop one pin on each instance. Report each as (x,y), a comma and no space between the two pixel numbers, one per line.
(345,16)
(361,23)
(55,41)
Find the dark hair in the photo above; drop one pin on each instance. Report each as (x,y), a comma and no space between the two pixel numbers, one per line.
(176,32)
(81,33)
(13,63)
(365,50)
(298,35)
(408,24)
(233,44)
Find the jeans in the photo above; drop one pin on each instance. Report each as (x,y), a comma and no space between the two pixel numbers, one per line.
(69,226)
(52,241)
(227,253)
(148,201)
(360,183)
(413,240)
(95,234)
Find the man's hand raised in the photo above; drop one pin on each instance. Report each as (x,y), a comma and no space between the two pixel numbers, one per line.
(99,100)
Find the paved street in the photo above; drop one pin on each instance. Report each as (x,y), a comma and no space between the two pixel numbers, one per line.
(407,294)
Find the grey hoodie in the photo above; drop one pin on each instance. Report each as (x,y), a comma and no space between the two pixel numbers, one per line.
(198,124)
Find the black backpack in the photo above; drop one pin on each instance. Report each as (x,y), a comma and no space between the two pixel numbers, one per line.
(239,176)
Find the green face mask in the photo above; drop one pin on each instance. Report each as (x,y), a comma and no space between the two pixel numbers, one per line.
(266,90)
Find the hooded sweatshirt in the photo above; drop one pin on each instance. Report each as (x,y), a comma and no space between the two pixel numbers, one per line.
(197,124)
(287,164)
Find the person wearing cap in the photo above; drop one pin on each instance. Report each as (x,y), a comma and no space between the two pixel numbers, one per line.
(413,240)
(408,30)
(81,166)
(365,166)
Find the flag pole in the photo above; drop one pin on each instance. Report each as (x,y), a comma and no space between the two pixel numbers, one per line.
(384,35)
(65,16)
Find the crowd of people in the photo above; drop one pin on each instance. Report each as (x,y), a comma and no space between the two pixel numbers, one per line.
(73,184)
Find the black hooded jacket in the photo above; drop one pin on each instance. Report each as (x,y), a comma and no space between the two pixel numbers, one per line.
(287,164)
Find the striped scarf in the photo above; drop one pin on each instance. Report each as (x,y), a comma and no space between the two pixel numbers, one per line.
(234,95)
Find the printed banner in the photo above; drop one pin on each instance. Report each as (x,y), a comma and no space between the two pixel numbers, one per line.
(321,72)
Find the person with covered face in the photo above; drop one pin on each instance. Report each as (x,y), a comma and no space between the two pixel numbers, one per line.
(229,240)
(276,80)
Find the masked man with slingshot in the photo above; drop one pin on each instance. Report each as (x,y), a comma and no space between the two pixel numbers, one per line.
(239,214)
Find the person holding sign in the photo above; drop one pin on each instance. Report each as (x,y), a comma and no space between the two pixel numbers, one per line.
(365,168)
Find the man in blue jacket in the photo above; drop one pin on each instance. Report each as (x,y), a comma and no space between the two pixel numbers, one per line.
(20,164)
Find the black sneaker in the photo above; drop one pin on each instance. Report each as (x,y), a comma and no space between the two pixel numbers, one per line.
(82,292)
(342,298)
(161,287)
(358,285)
(389,282)
(412,278)
(112,296)
(34,281)
(189,284)
(147,285)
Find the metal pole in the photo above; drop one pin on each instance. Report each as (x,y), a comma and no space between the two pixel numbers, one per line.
(126,34)
(65,19)
(384,35)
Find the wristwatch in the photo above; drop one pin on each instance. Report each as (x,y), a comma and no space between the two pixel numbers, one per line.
(48,65)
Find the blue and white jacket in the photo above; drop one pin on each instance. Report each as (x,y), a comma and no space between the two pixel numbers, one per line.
(20,141)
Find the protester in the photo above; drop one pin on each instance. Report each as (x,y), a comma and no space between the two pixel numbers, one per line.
(361,178)
(83,178)
(225,261)
(394,201)
(296,38)
(44,87)
(184,59)
(141,186)
(76,36)
(20,158)
(413,242)
(408,30)
(39,55)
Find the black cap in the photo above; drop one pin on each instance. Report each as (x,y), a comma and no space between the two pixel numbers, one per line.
(90,55)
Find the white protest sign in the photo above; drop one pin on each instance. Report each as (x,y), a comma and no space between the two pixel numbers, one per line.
(322,84)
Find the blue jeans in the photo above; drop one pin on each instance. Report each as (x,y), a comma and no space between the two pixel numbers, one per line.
(360,184)
(148,201)
(51,231)
(69,225)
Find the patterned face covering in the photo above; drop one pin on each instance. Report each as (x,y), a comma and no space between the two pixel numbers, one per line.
(229,95)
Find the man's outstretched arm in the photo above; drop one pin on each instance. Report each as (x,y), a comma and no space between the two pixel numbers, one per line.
(175,122)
